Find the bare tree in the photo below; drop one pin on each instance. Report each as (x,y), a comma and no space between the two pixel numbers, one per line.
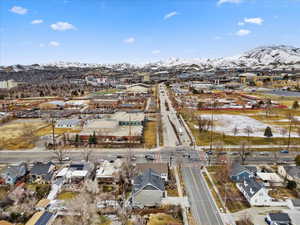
(249,131)
(243,151)
(292,120)
(86,154)
(235,131)
(59,154)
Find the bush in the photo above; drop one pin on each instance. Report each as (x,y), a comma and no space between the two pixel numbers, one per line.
(291,185)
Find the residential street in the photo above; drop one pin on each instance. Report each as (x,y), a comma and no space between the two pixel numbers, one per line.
(202,205)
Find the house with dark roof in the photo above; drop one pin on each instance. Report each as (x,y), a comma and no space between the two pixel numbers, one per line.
(160,168)
(255,192)
(14,172)
(239,173)
(148,189)
(291,173)
(41,172)
(278,219)
(41,218)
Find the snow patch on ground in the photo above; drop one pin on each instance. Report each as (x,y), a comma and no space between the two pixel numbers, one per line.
(225,123)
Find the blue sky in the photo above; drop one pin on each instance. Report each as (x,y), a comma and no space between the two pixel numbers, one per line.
(139,31)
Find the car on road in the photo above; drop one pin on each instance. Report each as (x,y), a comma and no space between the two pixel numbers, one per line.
(185,155)
(119,157)
(263,153)
(67,158)
(222,153)
(284,151)
(209,152)
(149,157)
(234,153)
(133,158)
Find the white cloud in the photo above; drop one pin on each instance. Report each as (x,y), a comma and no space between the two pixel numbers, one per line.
(170,15)
(42,45)
(62,26)
(220,2)
(54,44)
(256,20)
(241,23)
(156,52)
(243,32)
(18,10)
(129,40)
(37,21)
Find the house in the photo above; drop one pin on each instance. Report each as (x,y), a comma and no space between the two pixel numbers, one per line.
(68,123)
(291,173)
(278,219)
(161,168)
(148,190)
(42,172)
(294,204)
(109,172)
(41,218)
(239,173)
(255,193)
(79,171)
(270,179)
(42,204)
(14,172)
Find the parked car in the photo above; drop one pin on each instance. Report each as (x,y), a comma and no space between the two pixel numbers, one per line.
(67,158)
(285,151)
(149,157)
(119,156)
(264,153)
(133,158)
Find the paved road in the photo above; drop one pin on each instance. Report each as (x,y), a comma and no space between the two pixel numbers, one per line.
(202,205)
(171,115)
(169,136)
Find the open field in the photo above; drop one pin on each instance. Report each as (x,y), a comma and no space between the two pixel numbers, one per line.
(66,195)
(226,121)
(48,130)
(20,134)
(150,134)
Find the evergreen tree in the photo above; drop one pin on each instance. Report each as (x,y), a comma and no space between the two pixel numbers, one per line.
(297,160)
(76,140)
(295,105)
(268,132)
(91,140)
(94,138)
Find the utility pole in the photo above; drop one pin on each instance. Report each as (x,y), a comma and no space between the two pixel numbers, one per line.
(53,132)
(212,122)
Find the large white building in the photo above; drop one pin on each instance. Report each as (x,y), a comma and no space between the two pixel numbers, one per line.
(8,84)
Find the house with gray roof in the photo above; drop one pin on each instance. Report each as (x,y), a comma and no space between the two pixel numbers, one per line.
(14,172)
(291,173)
(239,173)
(255,192)
(148,189)
(42,172)
(278,219)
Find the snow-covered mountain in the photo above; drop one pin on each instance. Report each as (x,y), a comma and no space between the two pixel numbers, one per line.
(271,57)
(280,56)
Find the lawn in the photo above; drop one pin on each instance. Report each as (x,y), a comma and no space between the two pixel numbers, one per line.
(162,219)
(67,195)
(106,91)
(150,134)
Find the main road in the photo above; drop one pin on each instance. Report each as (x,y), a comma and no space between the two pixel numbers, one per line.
(203,206)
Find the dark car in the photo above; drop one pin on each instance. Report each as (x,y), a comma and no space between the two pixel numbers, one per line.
(149,157)
(119,156)
(209,152)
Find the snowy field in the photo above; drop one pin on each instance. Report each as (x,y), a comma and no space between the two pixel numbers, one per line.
(225,123)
